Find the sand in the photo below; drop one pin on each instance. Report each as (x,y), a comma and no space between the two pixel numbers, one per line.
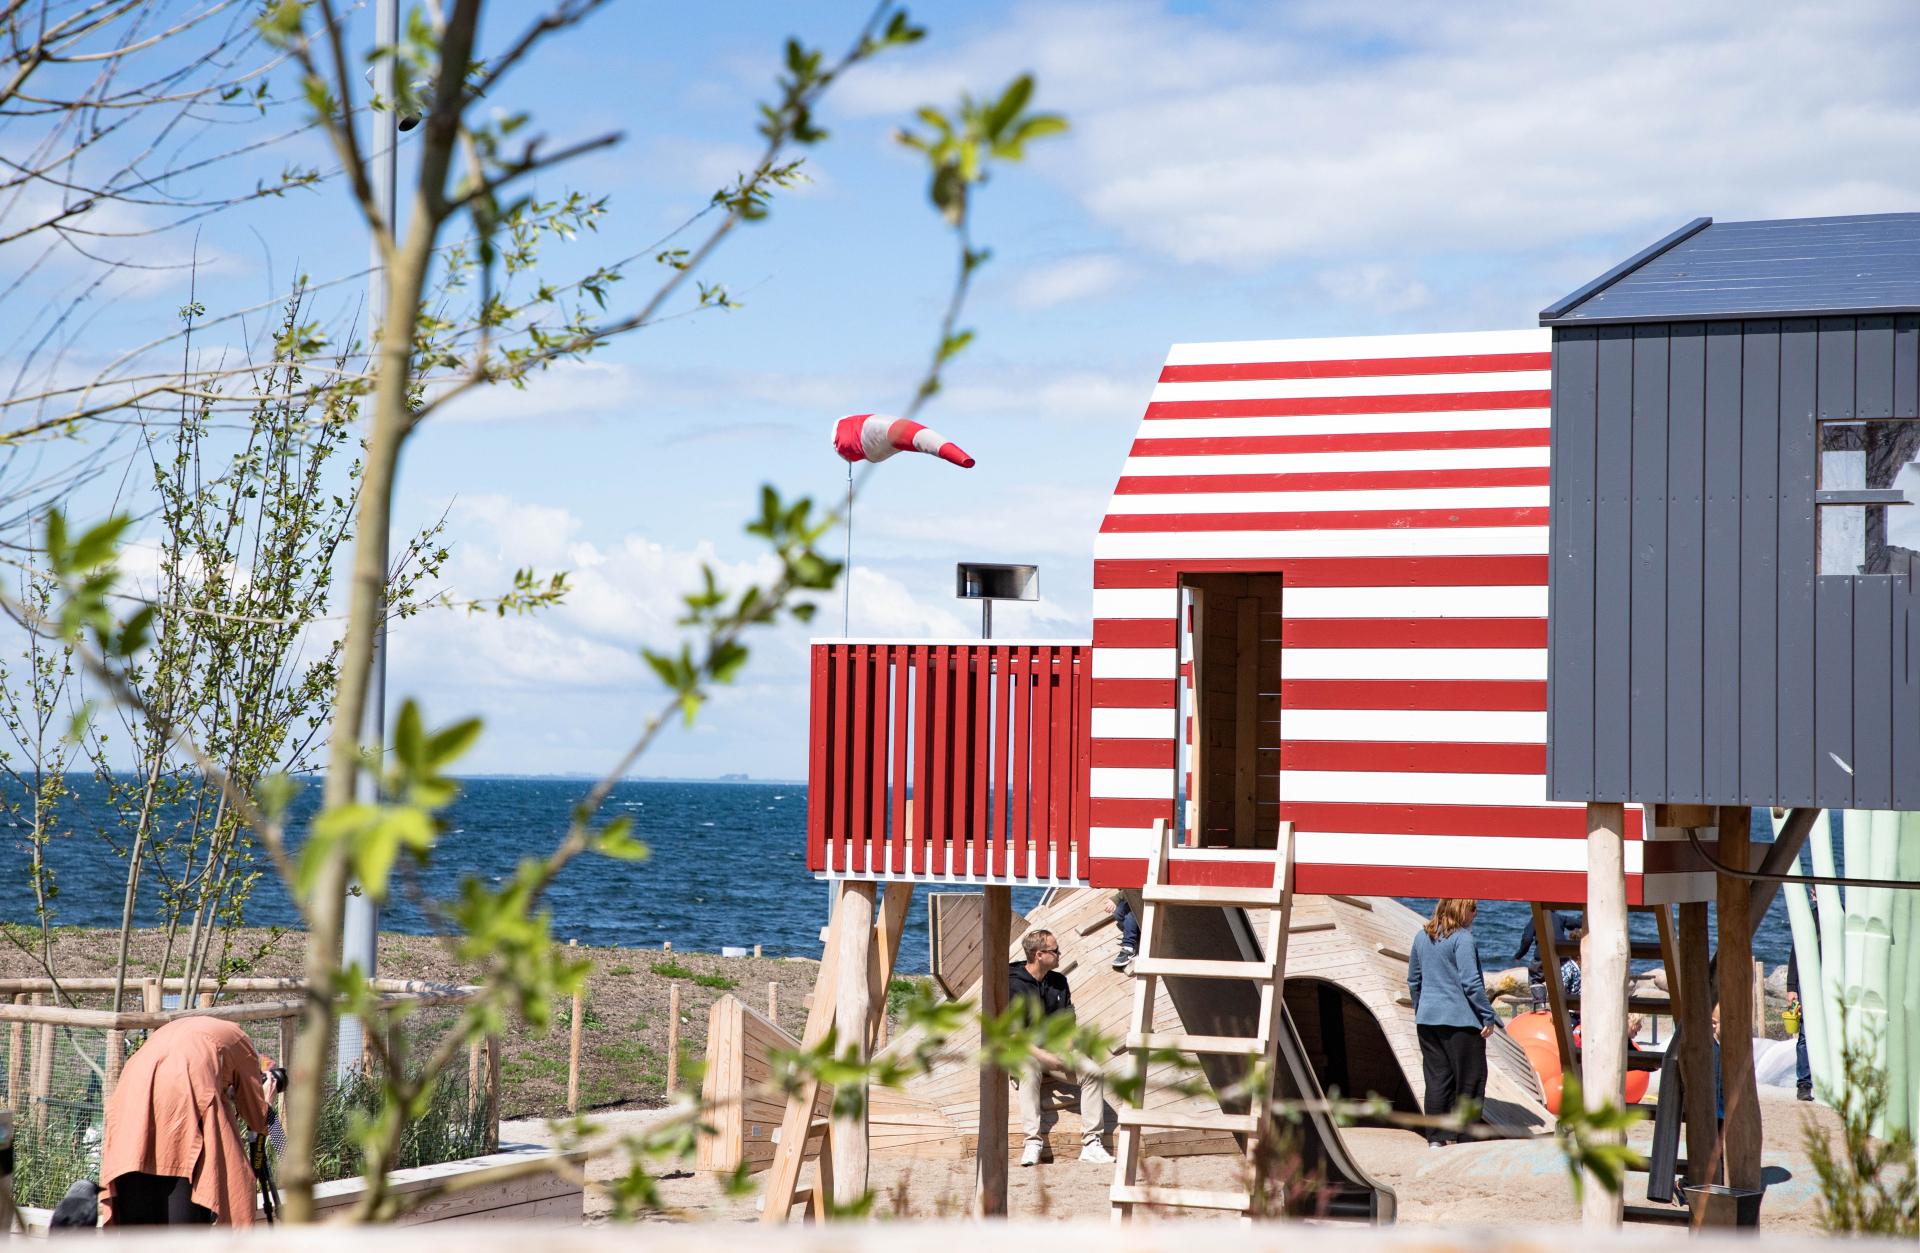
(1504,1183)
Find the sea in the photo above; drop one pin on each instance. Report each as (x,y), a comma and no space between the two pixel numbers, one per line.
(727,868)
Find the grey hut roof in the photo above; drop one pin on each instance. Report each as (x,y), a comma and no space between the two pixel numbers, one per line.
(1708,270)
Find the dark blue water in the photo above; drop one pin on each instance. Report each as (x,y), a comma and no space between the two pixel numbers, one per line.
(728,866)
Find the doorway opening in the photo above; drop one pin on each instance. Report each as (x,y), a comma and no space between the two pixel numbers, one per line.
(1229,709)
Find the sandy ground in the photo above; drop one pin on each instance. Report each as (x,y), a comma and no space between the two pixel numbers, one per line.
(1505,1183)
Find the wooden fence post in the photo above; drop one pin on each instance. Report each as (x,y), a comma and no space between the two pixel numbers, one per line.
(286,1042)
(673,1038)
(42,1071)
(493,1094)
(150,994)
(573,1044)
(473,1077)
(773,1000)
(16,1058)
(756,950)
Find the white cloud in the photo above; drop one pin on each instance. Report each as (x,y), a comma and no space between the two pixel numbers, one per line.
(1319,129)
(1375,287)
(1069,281)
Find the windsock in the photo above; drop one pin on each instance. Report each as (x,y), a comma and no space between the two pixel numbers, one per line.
(875,437)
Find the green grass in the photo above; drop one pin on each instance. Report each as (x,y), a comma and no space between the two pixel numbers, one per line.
(719,983)
(671,969)
(621,970)
(447,1132)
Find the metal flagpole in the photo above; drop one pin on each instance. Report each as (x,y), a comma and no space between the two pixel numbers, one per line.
(847,590)
(360,931)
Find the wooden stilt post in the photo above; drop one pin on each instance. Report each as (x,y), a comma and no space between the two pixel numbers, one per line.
(1734,961)
(773,1000)
(890,919)
(853,1005)
(1693,998)
(990,1171)
(1603,990)
(790,1151)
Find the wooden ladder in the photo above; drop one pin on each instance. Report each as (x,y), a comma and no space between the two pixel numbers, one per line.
(1561,1005)
(1149,967)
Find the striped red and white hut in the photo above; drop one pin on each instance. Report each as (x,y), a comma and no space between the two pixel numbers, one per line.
(1399,487)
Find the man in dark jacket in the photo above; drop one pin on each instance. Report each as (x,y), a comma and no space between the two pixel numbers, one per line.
(1038,979)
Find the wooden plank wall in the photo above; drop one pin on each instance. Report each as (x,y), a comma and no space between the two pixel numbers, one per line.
(1238,632)
(930,761)
(1685,588)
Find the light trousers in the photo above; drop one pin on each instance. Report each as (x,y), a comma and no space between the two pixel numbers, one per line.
(1036,1083)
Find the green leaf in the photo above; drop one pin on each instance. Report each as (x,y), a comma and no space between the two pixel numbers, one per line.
(451,743)
(409,742)
(616,840)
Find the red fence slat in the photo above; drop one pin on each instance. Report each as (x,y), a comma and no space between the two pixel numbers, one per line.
(817,707)
(1002,679)
(897,656)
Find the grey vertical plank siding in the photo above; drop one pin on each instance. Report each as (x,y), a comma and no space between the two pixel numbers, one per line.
(1872,758)
(1837,365)
(1686,539)
(1759,454)
(1570,575)
(1613,563)
(1798,442)
(1833,695)
(1720,618)
(1906,367)
(1647,631)
(1873,368)
(1833,598)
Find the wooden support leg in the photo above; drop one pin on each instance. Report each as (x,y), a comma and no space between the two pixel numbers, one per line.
(853,1009)
(1603,990)
(1735,960)
(1693,992)
(990,1177)
(783,1176)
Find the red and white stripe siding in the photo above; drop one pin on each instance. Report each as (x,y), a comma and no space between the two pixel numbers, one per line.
(1400,485)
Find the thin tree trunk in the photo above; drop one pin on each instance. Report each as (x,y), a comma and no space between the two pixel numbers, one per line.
(133,885)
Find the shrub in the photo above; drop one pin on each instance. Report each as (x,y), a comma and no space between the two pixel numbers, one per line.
(1867,1186)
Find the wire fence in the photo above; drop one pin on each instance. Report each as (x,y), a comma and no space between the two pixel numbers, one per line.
(60,1063)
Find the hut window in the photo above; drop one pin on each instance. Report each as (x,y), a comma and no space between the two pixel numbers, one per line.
(1869,484)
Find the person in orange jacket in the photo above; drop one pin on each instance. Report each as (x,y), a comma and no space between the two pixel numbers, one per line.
(173,1152)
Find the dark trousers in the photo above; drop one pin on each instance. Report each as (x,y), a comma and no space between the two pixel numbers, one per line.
(1454,1060)
(1802,1068)
(141,1200)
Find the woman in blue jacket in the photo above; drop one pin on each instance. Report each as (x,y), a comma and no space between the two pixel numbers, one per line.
(1450,1011)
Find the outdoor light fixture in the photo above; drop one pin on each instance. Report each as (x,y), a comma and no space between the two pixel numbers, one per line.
(987,581)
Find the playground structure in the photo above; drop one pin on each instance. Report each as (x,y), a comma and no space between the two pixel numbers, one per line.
(1323,663)
(1345,991)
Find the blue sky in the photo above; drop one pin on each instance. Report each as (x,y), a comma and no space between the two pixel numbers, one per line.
(1235,171)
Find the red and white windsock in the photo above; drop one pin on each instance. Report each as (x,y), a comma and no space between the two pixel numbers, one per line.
(875,437)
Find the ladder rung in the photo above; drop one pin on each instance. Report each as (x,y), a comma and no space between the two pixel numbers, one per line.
(1189,1120)
(1189,1198)
(1194,968)
(1225,1045)
(1225,897)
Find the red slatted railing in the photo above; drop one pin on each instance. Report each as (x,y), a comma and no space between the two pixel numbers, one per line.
(949,761)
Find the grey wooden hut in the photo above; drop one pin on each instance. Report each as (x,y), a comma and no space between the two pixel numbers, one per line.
(1736,470)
